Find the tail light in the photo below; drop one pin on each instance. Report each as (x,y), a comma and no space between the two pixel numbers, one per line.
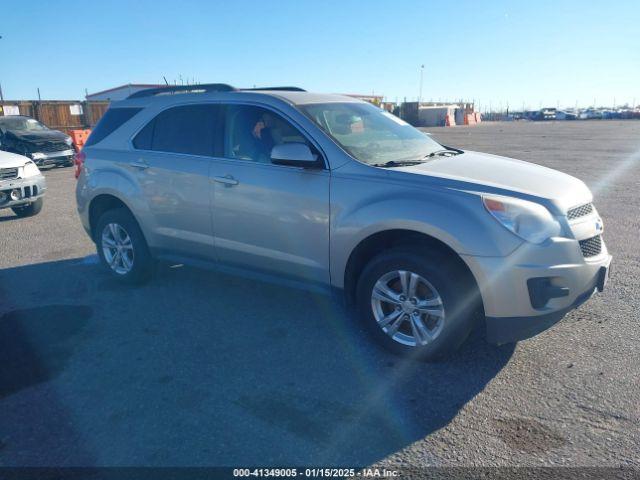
(79,162)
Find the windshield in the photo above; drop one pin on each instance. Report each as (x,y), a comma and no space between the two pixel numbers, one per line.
(370,134)
(21,123)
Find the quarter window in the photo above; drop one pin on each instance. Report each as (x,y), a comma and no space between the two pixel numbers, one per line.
(110,122)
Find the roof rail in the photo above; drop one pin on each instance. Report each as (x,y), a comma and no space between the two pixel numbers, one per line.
(204,88)
(282,89)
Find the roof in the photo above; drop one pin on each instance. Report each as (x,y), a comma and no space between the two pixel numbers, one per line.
(301,98)
(127,85)
(362,95)
(292,97)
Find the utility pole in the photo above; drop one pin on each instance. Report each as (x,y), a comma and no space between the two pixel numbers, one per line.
(421,80)
(38,104)
(87,110)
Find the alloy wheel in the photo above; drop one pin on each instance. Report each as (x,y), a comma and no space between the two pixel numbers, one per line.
(407,308)
(117,248)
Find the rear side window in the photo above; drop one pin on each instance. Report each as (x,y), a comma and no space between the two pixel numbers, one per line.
(110,121)
(186,129)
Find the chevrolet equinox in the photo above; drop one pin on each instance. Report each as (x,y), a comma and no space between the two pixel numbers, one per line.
(336,194)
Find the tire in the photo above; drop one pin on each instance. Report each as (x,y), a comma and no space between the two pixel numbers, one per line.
(132,262)
(29,210)
(442,286)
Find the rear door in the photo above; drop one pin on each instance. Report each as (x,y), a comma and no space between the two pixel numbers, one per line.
(174,154)
(267,217)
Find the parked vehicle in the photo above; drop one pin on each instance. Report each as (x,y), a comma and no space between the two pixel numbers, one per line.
(332,192)
(565,115)
(26,136)
(590,114)
(547,114)
(22,186)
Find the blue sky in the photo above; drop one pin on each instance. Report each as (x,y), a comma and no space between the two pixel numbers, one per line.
(532,53)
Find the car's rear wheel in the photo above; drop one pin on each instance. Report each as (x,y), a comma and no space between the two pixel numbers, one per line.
(417,302)
(29,210)
(122,248)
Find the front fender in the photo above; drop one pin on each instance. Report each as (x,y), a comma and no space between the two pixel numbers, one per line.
(456,218)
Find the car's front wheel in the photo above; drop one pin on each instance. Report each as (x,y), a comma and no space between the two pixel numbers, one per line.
(122,248)
(417,302)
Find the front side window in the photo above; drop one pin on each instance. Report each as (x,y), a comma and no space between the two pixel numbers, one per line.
(251,133)
(370,134)
(187,129)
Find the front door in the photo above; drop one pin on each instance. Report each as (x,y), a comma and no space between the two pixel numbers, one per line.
(268,217)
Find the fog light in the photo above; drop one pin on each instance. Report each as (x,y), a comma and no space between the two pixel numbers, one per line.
(541,290)
(16,194)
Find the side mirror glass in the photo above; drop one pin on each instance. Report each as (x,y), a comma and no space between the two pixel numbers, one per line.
(294,154)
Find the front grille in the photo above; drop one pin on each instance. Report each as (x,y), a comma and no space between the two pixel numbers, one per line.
(591,246)
(580,211)
(8,173)
(48,147)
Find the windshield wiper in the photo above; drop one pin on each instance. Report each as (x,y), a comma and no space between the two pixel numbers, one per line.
(397,163)
(443,152)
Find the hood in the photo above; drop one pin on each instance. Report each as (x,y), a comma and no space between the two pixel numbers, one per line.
(12,160)
(508,174)
(38,136)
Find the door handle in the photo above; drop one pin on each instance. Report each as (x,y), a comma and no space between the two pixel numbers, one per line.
(226,180)
(140,164)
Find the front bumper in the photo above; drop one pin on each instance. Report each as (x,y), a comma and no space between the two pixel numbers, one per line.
(53,158)
(511,309)
(502,330)
(30,189)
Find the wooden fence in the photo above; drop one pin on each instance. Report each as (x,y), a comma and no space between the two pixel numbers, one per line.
(58,114)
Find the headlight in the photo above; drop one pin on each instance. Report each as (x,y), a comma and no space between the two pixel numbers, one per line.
(30,170)
(530,221)
(37,155)
(68,141)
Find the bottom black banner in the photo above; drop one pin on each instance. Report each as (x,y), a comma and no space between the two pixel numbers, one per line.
(389,472)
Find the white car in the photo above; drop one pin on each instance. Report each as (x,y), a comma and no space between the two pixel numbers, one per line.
(22,186)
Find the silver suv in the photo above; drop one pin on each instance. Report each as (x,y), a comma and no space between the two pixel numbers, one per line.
(338,195)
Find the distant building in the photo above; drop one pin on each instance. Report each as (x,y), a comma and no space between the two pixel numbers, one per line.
(121,92)
(388,106)
(434,114)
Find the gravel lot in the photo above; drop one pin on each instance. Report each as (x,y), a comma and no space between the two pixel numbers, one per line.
(198,368)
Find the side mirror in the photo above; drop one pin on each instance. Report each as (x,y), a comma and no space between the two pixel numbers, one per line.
(294,154)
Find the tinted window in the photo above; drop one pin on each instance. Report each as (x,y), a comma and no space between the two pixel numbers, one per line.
(110,121)
(144,138)
(187,129)
(251,132)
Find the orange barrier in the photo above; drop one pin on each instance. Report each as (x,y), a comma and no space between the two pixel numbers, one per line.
(449,121)
(469,119)
(79,137)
